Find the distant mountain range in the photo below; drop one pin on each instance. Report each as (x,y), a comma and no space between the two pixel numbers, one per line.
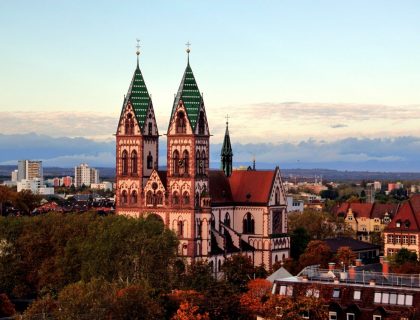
(308,174)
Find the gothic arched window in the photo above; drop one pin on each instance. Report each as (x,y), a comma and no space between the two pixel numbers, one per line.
(201,123)
(134,196)
(149,161)
(159,198)
(124,160)
(213,221)
(124,197)
(180,228)
(129,124)
(180,123)
(277,197)
(134,162)
(227,219)
(149,198)
(197,162)
(197,199)
(175,160)
(186,162)
(202,164)
(186,198)
(248,224)
(149,126)
(175,198)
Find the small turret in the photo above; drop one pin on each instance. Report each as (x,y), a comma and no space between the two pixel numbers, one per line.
(226,153)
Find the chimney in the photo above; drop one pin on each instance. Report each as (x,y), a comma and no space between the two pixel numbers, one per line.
(359,262)
(331,266)
(352,272)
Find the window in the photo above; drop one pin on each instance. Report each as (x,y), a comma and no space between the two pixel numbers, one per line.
(385,297)
(226,221)
(336,293)
(175,198)
(277,197)
(357,294)
(150,129)
(180,228)
(129,124)
(201,123)
(150,161)
(277,222)
(186,198)
(398,223)
(149,198)
(390,238)
(175,161)
(405,239)
(134,162)
(159,198)
(401,299)
(408,299)
(375,317)
(412,239)
(197,162)
(312,293)
(305,315)
(180,123)
(397,239)
(248,224)
(377,297)
(393,298)
(134,196)
(124,160)
(332,315)
(124,197)
(186,161)
(351,316)
(286,290)
(376,228)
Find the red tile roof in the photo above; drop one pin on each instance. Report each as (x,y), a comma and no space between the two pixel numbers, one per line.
(251,186)
(408,216)
(361,210)
(379,210)
(241,187)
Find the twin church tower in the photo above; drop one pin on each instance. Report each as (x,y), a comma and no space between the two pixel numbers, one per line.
(181,196)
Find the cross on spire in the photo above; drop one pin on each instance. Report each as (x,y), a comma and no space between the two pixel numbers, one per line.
(227,119)
(138,51)
(188,44)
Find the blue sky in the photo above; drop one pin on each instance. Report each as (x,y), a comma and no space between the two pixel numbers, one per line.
(285,71)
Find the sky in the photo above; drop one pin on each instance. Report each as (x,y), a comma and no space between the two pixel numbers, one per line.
(300,80)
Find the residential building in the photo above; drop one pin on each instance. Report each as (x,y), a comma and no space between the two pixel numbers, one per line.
(294,204)
(366,218)
(14,176)
(404,229)
(83,175)
(29,169)
(35,186)
(215,213)
(104,185)
(67,181)
(355,294)
(365,252)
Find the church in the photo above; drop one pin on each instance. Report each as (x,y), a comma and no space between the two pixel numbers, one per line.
(215,213)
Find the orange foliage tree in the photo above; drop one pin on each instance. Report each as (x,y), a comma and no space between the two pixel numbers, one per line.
(188,311)
(254,299)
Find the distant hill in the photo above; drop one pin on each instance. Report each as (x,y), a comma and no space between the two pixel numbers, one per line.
(326,174)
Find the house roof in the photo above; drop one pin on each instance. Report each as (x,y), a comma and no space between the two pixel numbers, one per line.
(190,95)
(367,210)
(379,209)
(355,245)
(280,273)
(138,96)
(219,187)
(361,210)
(406,217)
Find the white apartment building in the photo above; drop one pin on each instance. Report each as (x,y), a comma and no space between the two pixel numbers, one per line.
(35,186)
(104,185)
(29,169)
(83,175)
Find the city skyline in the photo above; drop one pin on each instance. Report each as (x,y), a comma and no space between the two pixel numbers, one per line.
(298,74)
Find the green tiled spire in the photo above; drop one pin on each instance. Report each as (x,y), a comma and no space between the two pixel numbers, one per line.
(138,96)
(226,154)
(190,95)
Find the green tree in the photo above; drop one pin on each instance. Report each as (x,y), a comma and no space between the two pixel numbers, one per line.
(238,270)
(299,241)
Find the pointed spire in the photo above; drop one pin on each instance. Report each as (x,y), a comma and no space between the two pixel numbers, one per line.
(137,93)
(189,93)
(226,153)
(188,44)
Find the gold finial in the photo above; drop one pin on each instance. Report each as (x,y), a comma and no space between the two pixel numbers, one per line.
(138,47)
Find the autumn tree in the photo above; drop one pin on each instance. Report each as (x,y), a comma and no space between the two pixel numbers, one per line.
(259,292)
(317,252)
(345,256)
(7,308)
(188,311)
(26,201)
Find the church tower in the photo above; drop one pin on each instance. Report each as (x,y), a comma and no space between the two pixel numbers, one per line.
(137,145)
(226,154)
(188,162)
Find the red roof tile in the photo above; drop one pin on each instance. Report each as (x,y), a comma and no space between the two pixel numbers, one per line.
(219,187)
(361,210)
(379,210)
(251,186)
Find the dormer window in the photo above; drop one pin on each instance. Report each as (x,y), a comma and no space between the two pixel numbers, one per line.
(398,223)
(180,123)
(407,223)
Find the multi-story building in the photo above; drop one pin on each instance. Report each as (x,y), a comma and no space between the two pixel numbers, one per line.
(66,181)
(366,218)
(35,186)
(29,169)
(404,229)
(83,175)
(215,213)
(14,176)
(355,294)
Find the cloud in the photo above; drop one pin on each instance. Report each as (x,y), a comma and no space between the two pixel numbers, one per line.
(339,125)
(353,153)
